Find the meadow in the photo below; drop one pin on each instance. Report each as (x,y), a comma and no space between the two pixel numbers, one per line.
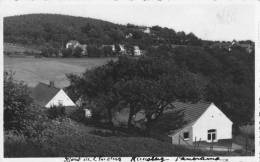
(32,70)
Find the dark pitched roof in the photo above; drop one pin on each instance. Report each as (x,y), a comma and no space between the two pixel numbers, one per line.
(192,111)
(43,93)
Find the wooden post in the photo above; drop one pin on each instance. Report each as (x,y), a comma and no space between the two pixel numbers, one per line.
(246,144)
(179,139)
(194,145)
(211,146)
(199,143)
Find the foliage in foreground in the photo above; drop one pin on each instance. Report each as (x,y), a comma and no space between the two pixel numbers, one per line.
(16,103)
(64,137)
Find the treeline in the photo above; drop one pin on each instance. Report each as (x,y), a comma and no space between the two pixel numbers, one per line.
(51,32)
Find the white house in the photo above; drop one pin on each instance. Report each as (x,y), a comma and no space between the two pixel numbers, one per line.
(74,44)
(122,49)
(48,95)
(147,30)
(137,51)
(205,122)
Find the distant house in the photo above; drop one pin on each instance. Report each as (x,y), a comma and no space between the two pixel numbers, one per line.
(48,95)
(82,104)
(205,122)
(247,46)
(74,44)
(147,30)
(129,35)
(122,49)
(137,51)
(111,46)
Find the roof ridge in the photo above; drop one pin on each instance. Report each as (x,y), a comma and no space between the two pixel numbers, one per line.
(45,84)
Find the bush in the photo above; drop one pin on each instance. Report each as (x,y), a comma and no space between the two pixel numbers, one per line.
(78,115)
(56,111)
(17,102)
(64,137)
(102,133)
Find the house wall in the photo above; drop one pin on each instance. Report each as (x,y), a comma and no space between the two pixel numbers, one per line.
(212,118)
(178,137)
(61,96)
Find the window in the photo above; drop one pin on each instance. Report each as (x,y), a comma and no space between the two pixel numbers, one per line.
(186,135)
(60,102)
(212,134)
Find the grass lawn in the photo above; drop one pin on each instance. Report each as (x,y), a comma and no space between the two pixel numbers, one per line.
(33,70)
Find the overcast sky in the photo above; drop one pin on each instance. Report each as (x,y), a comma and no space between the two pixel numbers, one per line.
(213,21)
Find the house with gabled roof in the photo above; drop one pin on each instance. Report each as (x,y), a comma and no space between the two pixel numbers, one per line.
(204,122)
(47,95)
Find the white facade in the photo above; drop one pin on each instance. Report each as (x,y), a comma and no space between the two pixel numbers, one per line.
(88,113)
(137,51)
(212,118)
(147,31)
(213,122)
(72,44)
(61,98)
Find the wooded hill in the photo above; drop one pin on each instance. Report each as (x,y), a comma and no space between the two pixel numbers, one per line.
(56,30)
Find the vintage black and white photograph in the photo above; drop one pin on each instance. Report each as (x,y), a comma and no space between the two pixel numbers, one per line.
(128,79)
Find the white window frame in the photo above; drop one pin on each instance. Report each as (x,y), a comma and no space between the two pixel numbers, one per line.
(210,134)
(186,139)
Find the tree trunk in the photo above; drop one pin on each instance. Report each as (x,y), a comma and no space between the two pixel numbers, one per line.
(131,113)
(110,117)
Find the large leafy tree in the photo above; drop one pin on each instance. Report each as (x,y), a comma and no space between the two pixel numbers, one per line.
(17,102)
(145,83)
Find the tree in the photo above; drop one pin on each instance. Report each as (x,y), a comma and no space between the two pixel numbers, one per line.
(107,51)
(86,28)
(17,102)
(145,83)
(117,49)
(93,51)
(77,52)
(66,52)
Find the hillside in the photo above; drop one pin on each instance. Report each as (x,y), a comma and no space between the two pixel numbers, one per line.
(34,70)
(54,30)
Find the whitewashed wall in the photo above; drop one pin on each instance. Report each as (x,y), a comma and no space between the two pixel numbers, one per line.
(212,118)
(60,96)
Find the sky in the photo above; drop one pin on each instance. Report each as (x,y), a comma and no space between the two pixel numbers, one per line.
(210,21)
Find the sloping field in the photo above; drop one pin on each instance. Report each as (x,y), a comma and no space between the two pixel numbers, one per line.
(14,48)
(70,139)
(33,70)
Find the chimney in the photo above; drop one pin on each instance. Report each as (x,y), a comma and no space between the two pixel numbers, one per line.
(51,84)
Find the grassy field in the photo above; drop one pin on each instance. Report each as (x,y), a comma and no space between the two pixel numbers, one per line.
(33,70)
